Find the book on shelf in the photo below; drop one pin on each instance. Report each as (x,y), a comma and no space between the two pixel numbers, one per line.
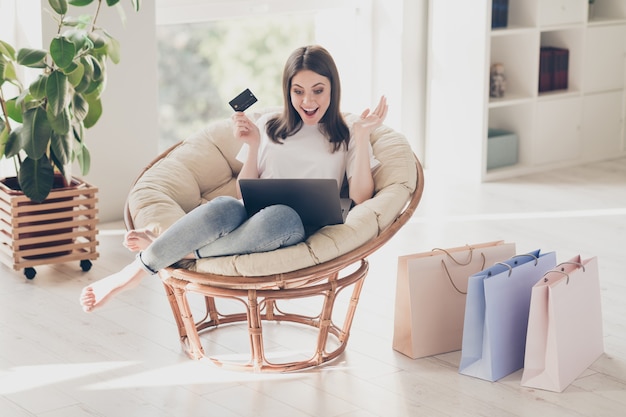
(546,68)
(553,68)
(561,65)
(499,13)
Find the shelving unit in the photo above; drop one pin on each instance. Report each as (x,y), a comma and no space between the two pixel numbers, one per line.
(580,124)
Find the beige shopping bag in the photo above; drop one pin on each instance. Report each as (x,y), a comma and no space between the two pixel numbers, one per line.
(431,290)
(564,325)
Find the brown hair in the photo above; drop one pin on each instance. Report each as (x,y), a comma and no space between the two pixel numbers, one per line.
(317,59)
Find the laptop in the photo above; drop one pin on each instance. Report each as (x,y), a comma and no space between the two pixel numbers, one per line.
(316,200)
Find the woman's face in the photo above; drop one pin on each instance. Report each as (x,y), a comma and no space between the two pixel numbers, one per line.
(310,95)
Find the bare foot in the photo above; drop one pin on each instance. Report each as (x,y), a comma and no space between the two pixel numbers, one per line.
(95,295)
(136,240)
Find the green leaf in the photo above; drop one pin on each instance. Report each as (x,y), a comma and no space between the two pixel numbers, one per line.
(61,149)
(97,39)
(36,132)
(84,159)
(60,123)
(65,169)
(7,50)
(94,88)
(36,177)
(87,76)
(136,4)
(4,136)
(76,76)
(13,111)
(33,58)
(112,2)
(10,75)
(80,2)
(114,50)
(79,37)
(80,106)
(79,130)
(59,6)
(99,69)
(62,51)
(12,147)
(70,68)
(95,111)
(57,91)
(38,87)
(74,22)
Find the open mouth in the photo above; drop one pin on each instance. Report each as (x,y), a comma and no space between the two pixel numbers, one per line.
(309,112)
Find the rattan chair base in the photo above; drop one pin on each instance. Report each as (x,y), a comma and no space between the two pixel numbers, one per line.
(261,306)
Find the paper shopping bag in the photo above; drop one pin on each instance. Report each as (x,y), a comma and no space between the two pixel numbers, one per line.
(496,315)
(564,325)
(430,296)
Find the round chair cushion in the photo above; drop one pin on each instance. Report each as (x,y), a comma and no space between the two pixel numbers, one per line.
(204,166)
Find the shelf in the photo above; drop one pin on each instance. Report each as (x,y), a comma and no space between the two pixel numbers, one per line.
(509,100)
(606,21)
(562,12)
(557,94)
(605,11)
(512,30)
(565,127)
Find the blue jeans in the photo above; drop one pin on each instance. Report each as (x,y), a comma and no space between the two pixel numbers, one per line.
(221,227)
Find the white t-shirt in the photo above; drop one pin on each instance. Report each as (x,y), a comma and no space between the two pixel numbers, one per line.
(307,154)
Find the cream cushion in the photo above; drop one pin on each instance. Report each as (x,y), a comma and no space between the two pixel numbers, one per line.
(204,166)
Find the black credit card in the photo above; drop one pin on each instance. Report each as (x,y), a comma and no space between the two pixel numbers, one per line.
(243,100)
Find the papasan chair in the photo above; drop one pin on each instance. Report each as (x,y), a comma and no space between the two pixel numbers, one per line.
(332,259)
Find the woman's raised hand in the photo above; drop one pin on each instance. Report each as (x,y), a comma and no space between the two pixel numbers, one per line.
(244,129)
(370,120)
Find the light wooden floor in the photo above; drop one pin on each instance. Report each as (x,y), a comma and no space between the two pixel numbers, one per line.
(56,361)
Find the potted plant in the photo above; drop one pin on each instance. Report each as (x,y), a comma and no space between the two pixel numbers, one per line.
(43,126)
(43,123)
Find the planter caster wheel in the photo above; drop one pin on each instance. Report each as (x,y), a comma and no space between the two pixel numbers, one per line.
(85,265)
(30,272)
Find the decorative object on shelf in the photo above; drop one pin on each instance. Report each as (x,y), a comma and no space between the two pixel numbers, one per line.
(497,80)
(590,13)
(502,148)
(42,126)
(553,68)
(62,228)
(499,13)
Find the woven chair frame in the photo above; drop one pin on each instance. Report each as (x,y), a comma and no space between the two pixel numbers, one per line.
(261,294)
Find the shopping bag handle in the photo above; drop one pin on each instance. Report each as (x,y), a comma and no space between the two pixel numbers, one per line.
(471,255)
(515,262)
(445,267)
(578,264)
(562,270)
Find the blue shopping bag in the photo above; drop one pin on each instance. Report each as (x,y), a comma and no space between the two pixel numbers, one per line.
(496,315)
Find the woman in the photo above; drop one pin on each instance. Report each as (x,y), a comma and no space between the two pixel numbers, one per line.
(309,139)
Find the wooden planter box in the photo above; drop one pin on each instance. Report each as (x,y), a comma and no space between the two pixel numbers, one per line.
(62,228)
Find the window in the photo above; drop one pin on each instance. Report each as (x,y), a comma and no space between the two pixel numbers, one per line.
(211,51)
